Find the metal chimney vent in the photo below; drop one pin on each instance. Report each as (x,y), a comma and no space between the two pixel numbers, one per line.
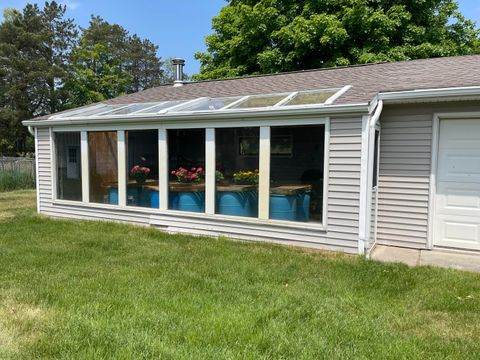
(178,66)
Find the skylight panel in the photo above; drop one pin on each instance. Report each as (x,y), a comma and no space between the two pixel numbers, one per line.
(311,97)
(130,109)
(89,111)
(161,106)
(212,104)
(259,101)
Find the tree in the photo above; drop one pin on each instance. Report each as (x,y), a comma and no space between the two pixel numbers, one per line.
(34,50)
(267,36)
(110,62)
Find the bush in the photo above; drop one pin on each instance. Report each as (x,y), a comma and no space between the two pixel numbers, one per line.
(15,180)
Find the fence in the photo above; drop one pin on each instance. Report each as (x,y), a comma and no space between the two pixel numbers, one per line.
(16,173)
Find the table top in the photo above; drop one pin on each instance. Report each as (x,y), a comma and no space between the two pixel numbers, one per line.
(290,189)
(235,188)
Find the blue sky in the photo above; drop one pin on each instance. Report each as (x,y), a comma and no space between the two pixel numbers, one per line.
(177,27)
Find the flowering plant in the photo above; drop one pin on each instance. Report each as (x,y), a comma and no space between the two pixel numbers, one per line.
(246,177)
(139,173)
(194,175)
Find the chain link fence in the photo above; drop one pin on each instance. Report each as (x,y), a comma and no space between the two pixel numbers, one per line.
(16,173)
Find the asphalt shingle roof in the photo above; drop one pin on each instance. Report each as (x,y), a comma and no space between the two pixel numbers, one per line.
(366,80)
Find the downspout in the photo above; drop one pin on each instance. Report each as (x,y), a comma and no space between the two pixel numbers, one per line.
(366,180)
(31,131)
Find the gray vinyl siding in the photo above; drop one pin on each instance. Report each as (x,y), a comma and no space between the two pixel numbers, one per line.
(404,175)
(343,202)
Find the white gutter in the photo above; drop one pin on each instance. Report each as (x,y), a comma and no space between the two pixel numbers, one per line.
(398,96)
(31,131)
(206,115)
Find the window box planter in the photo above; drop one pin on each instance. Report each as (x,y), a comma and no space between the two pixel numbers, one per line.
(187,197)
(237,200)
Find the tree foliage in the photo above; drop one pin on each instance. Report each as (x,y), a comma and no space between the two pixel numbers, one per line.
(267,36)
(48,64)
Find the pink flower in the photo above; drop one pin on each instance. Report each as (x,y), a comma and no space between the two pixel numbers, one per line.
(200,170)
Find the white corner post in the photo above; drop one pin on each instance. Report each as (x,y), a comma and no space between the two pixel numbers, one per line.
(37,180)
(264,178)
(364,191)
(163,168)
(85,169)
(210,168)
(122,168)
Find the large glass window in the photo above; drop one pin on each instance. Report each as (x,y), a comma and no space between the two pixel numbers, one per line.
(186,161)
(68,162)
(103,166)
(296,173)
(142,168)
(237,154)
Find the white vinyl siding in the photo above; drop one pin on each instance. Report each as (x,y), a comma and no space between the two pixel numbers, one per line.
(404,174)
(342,202)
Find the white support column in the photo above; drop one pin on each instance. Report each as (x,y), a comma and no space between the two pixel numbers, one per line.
(163,168)
(37,180)
(264,179)
(326,172)
(85,170)
(364,191)
(210,171)
(53,162)
(122,172)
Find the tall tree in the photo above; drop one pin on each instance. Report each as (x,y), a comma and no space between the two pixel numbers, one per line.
(109,62)
(34,50)
(266,36)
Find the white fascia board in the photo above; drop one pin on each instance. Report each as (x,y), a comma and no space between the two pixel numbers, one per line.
(398,96)
(199,116)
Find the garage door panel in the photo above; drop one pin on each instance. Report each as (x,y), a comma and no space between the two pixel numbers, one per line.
(457,200)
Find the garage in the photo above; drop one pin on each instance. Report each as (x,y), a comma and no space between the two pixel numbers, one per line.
(457,193)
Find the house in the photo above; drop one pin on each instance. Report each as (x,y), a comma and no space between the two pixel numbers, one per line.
(341,158)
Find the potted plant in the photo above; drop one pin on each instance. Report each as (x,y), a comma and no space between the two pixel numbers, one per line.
(191,195)
(139,174)
(246,177)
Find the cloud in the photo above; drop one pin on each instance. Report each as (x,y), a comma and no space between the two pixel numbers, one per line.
(71,5)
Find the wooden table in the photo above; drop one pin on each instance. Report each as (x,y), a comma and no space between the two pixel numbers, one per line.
(191,187)
(290,190)
(235,188)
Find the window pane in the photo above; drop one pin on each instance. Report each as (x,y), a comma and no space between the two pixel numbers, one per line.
(68,161)
(103,170)
(130,109)
(92,110)
(186,157)
(310,97)
(159,107)
(142,168)
(296,173)
(261,101)
(237,153)
(211,104)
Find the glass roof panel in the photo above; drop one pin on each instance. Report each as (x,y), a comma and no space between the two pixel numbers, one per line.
(161,106)
(91,110)
(260,101)
(130,109)
(211,104)
(311,97)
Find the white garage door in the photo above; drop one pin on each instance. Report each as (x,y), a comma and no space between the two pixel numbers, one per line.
(457,204)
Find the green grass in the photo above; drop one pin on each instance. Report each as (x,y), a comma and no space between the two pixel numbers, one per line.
(96,290)
(15,180)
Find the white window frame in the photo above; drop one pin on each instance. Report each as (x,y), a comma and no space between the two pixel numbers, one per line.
(209,127)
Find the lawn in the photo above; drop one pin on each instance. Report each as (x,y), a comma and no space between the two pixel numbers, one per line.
(96,290)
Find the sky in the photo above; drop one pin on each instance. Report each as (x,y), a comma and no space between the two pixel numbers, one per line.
(177,27)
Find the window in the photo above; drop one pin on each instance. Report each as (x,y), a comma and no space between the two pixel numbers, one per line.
(103,166)
(186,162)
(296,173)
(69,174)
(375,159)
(236,159)
(142,168)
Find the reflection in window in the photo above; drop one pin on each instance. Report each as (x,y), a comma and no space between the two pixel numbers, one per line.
(296,173)
(375,159)
(186,161)
(142,168)
(69,173)
(103,168)
(261,101)
(311,97)
(237,171)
